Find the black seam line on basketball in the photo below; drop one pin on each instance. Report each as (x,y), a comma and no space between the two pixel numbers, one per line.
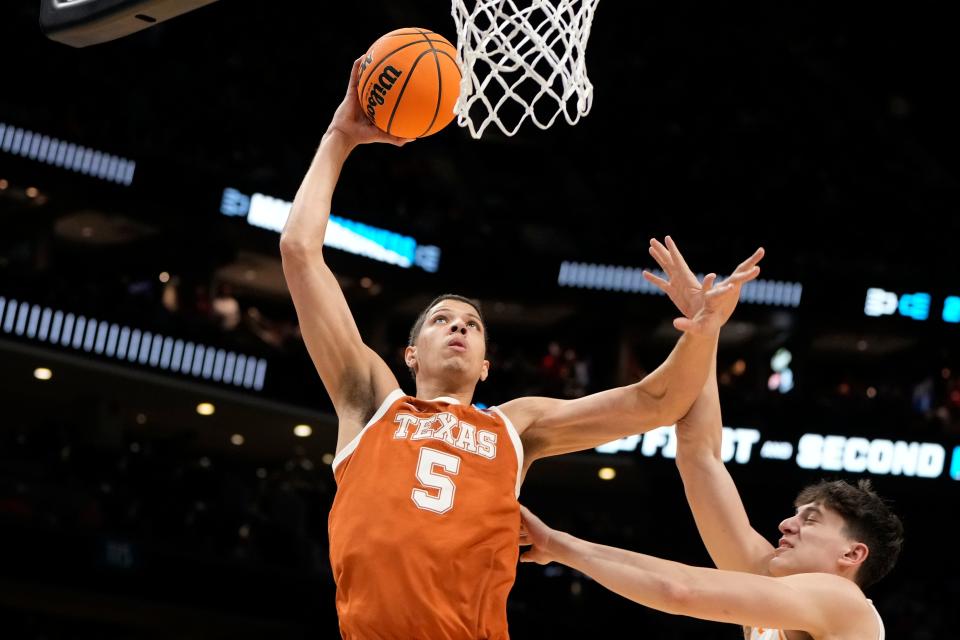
(436,109)
(396,105)
(426,34)
(452,59)
(439,39)
(386,56)
(456,66)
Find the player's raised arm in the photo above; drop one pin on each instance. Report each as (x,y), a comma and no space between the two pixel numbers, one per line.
(356,378)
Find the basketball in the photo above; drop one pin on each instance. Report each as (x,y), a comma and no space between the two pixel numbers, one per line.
(409,82)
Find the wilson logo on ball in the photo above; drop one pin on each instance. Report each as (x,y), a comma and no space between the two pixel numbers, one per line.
(378,91)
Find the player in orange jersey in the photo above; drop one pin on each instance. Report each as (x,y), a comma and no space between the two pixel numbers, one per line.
(841,539)
(425,523)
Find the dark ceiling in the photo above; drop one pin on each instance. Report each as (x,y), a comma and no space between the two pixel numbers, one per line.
(824,134)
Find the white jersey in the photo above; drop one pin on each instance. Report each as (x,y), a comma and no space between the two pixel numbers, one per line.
(779,634)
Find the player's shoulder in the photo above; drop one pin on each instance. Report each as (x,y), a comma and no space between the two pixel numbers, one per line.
(829,588)
(523,411)
(842,605)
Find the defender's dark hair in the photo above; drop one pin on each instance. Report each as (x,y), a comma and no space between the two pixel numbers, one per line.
(868,519)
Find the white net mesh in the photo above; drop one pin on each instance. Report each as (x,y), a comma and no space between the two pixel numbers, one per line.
(522,59)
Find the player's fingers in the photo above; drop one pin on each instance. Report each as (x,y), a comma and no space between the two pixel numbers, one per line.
(743,276)
(675,255)
(661,255)
(355,75)
(752,260)
(657,281)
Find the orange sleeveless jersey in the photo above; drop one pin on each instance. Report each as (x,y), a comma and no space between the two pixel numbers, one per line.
(425,524)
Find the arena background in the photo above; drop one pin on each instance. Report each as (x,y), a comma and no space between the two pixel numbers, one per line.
(825,133)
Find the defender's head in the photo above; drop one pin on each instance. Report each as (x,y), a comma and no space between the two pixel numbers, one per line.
(839,528)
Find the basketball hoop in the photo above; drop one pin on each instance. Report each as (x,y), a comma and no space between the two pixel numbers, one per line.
(522,59)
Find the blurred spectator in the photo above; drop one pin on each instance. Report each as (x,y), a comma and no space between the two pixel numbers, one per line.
(225,308)
(171,296)
(275,333)
(564,374)
(201,301)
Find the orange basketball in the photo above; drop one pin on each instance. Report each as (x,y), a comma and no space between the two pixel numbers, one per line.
(409,82)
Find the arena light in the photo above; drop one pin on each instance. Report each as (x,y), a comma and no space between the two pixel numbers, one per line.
(358,238)
(81,23)
(607,473)
(206,409)
(42,373)
(630,280)
(66,155)
(302,431)
(76,332)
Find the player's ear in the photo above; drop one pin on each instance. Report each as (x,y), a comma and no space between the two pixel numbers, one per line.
(855,555)
(410,357)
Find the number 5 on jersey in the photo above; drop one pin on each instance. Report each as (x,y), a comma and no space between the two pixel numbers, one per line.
(442,500)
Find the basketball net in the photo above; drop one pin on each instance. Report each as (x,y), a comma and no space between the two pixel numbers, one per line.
(522,59)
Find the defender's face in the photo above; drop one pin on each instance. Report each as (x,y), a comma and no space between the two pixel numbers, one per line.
(814,541)
(451,342)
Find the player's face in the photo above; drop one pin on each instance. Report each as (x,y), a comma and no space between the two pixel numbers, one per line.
(813,541)
(451,342)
